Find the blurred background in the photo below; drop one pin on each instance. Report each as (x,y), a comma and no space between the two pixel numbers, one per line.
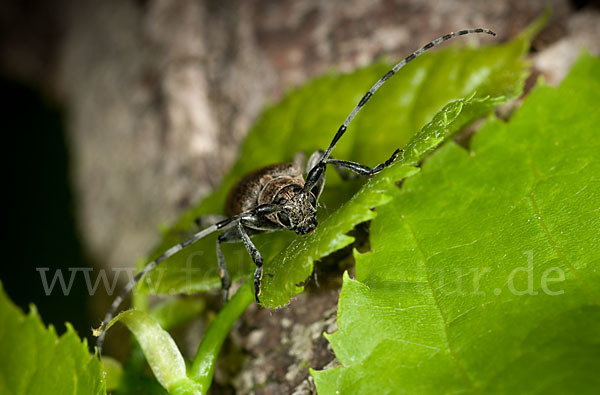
(120,114)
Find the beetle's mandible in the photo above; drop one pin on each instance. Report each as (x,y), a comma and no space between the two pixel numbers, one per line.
(277,197)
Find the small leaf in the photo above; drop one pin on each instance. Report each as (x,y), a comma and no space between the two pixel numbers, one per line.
(160,350)
(483,275)
(37,361)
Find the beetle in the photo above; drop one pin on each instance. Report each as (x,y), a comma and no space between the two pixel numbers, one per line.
(277,197)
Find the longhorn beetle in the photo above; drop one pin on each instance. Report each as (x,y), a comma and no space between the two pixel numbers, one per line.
(277,197)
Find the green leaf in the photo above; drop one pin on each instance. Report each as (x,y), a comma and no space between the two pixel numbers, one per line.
(36,361)
(305,121)
(294,263)
(160,351)
(134,377)
(162,354)
(483,275)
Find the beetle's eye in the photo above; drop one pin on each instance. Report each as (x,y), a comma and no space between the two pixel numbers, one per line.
(281,201)
(312,199)
(284,219)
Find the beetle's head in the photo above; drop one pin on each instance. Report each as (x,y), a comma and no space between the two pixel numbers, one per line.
(299,209)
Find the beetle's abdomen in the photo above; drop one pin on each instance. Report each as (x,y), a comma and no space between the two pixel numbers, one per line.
(245,193)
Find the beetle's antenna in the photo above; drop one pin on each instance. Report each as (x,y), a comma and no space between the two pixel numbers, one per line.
(390,73)
(312,180)
(167,254)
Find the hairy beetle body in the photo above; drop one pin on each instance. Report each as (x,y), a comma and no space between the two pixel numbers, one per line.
(261,186)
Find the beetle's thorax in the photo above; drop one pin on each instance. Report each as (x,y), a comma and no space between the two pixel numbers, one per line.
(250,190)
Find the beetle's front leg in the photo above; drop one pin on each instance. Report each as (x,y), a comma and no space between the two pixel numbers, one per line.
(362,169)
(252,222)
(256,257)
(239,228)
(343,173)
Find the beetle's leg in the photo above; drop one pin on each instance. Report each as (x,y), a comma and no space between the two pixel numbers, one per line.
(362,169)
(205,221)
(208,220)
(247,224)
(229,235)
(251,222)
(256,257)
(344,173)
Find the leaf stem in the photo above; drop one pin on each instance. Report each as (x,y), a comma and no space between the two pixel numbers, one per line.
(203,366)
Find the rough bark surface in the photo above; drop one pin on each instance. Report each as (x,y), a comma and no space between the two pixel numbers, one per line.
(160,93)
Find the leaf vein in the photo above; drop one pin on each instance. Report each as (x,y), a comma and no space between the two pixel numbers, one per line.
(552,242)
(439,307)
